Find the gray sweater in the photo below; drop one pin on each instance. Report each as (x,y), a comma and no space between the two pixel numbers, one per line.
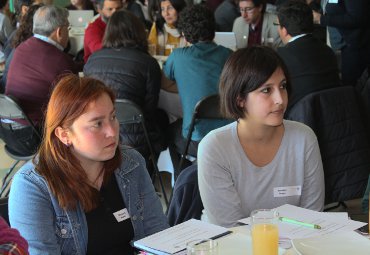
(231,186)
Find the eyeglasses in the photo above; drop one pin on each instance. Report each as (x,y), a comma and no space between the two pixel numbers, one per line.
(247,9)
(68,26)
(168,8)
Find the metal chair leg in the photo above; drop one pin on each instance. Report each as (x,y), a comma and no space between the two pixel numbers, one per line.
(156,170)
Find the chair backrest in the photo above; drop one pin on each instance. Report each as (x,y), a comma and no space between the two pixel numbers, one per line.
(363,91)
(335,117)
(186,202)
(127,112)
(4,208)
(10,109)
(208,108)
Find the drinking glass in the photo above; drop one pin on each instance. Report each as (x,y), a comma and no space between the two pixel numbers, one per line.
(265,235)
(169,48)
(152,49)
(202,247)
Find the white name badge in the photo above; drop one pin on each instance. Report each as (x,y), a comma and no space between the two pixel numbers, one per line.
(287,191)
(121,215)
(333,1)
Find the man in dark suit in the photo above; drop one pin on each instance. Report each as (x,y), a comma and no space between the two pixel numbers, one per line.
(311,63)
(351,19)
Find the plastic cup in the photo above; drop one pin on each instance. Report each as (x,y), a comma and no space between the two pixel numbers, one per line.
(202,247)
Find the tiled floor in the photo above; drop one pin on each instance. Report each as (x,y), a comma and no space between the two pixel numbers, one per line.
(5,160)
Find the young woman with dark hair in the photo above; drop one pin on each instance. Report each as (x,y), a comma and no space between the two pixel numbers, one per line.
(260,160)
(164,33)
(83,193)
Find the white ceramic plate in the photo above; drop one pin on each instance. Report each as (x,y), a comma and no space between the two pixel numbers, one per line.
(340,243)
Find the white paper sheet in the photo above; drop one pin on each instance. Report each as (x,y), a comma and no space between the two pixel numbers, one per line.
(174,239)
(328,222)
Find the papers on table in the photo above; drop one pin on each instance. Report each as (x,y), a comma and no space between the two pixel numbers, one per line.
(328,222)
(173,240)
(338,243)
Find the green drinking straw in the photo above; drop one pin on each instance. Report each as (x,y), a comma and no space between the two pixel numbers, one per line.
(301,223)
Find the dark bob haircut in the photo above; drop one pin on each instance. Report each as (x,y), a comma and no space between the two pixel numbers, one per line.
(124,29)
(197,23)
(245,71)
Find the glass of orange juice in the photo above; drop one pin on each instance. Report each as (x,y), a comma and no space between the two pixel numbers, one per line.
(265,234)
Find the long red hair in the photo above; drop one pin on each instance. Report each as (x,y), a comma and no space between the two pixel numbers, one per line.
(62,170)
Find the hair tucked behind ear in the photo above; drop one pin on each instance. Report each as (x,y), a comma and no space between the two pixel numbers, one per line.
(246,70)
(62,170)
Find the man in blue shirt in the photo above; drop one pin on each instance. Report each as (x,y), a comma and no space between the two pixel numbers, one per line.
(196,70)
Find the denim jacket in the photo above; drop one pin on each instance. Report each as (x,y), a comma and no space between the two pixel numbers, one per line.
(49,229)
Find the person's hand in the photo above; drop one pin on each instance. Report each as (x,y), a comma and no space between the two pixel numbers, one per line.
(316,17)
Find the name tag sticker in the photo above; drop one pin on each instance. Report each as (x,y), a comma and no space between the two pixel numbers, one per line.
(121,215)
(287,191)
(333,1)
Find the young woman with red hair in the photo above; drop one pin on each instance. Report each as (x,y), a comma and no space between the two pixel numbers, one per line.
(83,194)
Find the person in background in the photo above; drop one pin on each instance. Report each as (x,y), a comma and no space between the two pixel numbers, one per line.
(6,28)
(225,15)
(21,8)
(311,63)
(196,70)
(244,165)
(164,33)
(144,8)
(80,5)
(37,63)
(135,8)
(23,32)
(213,4)
(11,242)
(125,66)
(255,26)
(95,31)
(154,12)
(351,19)
(83,193)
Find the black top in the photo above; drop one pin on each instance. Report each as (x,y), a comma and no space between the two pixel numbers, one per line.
(312,67)
(105,234)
